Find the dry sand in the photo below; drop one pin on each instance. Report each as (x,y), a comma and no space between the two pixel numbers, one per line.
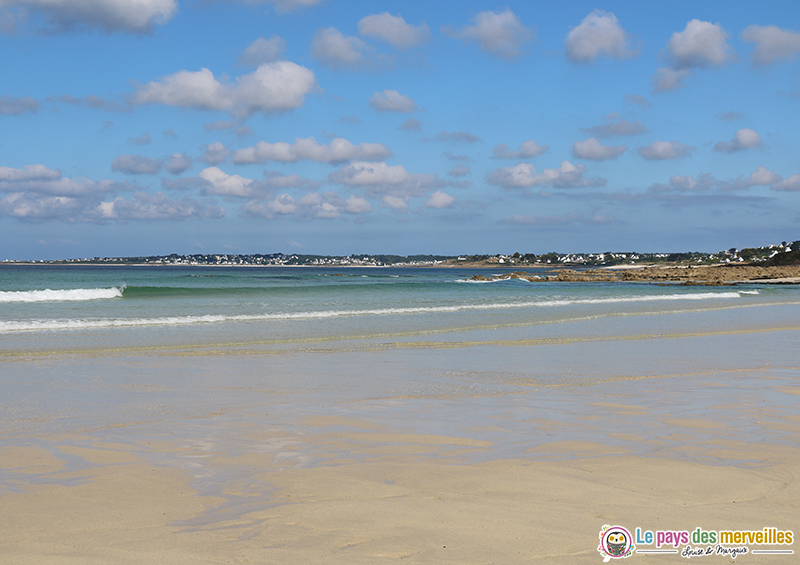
(380,505)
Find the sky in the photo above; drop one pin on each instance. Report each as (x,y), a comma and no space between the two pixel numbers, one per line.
(450,127)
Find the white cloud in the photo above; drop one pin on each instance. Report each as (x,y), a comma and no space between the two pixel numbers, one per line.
(137,165)
(763,177)
(146,206)
(340,150)
(370,174)
(10,106)
(222,184)
(338,52)
(44,180)
(790,184)
(660,150)
(214,153)
(440,199)
(613,128)
(459,170)
(772,43)
(598,34)
(357,205)
(272,87)
(596,151)
(525,175)
(33,207)
(263,51)
(138,17)
(527,150)
(178,163)
(699,45)
(744,139)
(501,34)
(380,179)
(396,202)
(392,101)
(29,173)
(394,30)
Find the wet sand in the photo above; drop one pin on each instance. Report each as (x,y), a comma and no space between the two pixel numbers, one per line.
(485,446)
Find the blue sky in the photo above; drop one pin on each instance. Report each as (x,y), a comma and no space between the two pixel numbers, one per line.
(332,127)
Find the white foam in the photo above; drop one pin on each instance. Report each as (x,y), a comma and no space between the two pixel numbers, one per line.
(48,295)
(62,324)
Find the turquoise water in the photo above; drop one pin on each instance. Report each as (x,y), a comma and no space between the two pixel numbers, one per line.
(197,355)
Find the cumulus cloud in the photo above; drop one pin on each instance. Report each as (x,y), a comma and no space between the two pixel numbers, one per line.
(596,151)
(137,165)
(32,207)
(527,150)
(440,199)
(392,101)
(661,150)
(219,183)
(790,184)
(263,51)
(763,177)
(138,17)
(178,163)
(339,52)
(410,124)
(456,137)
(501,34)
(598,34)
(214,153)
(10,106)
(394,30)
(459,171)
(771,43)
(616,125)
(272,87)
(743,139)
(699,45)
(339,150)
(146,206)
(525,175)
(392,183)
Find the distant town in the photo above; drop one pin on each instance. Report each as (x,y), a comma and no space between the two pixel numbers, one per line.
(770,253)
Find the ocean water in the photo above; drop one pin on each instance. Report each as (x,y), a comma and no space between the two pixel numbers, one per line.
(196,355)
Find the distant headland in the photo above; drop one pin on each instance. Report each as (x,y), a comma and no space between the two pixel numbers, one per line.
(774,254)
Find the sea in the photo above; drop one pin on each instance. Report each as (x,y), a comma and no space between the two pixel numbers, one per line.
(195,355)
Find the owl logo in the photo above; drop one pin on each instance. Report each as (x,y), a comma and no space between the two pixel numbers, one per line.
(615,543)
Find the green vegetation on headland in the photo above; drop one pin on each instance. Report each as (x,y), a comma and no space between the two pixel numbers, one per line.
(770,255)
